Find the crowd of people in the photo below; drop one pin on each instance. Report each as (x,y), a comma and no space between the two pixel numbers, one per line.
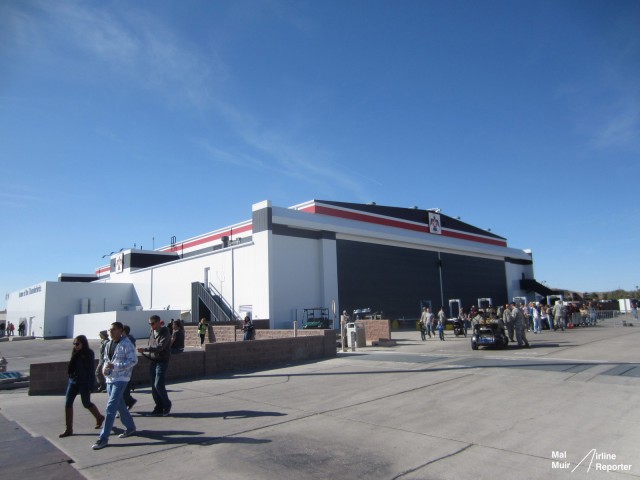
(516,318)
(9,329)
(117,357)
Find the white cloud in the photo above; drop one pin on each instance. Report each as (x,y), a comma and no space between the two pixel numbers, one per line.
(620,129)
(137,47)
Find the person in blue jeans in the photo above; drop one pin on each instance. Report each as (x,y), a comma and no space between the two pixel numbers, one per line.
(247,328)
(119,359)
(441,329)
(81,382)
(159,352)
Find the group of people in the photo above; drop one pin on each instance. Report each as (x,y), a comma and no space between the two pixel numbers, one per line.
(429,325)
(9,329)
(517,319)
(118,356)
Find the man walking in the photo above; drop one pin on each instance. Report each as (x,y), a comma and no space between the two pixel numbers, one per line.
(442,320)
(520,325)
(159,353)
(425,323)
(119,359)
(129,401)
(507,318)
(559,312)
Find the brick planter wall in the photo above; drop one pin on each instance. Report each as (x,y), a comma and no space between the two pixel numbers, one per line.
(51,378)
(223,357)
(376,330)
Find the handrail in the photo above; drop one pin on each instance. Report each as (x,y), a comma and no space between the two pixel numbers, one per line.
(215,293)
(216,310)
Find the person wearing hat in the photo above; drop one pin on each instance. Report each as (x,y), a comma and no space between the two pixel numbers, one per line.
(104,339)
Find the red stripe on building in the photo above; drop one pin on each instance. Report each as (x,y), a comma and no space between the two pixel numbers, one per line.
(200,241)
(363,217)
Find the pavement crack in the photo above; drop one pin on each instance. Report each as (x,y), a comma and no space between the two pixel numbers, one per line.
(402,392)
(430,462)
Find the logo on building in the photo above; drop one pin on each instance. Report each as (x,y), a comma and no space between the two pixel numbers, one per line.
(434,223)
(119,262)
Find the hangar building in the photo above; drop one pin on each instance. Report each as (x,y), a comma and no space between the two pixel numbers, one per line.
(336,255)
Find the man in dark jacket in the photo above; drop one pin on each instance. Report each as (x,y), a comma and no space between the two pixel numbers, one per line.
(159,353)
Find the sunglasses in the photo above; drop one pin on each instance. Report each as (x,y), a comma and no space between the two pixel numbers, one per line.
(75,344)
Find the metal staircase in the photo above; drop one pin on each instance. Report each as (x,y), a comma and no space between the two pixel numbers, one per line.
(211,298)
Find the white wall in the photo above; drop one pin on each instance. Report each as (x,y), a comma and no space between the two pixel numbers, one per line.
(329,278)
(50,306)
(91,324)
(170,284)
(297,278)
(514,275)
(262,293)
(28,304)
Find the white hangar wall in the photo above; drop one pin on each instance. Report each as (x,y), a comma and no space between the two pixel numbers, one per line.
(229,270)
(304,275)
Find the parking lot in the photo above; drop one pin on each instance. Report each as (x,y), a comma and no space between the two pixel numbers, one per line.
(416,410)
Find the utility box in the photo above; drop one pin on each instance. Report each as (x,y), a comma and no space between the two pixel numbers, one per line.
(358,330)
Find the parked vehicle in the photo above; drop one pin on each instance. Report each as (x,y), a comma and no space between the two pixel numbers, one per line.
(489,335)
(317,317)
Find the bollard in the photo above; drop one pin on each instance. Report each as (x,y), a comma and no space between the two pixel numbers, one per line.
(353,341)
(295,328)
(343,333)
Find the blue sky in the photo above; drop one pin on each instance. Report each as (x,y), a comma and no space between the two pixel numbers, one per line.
(127,123)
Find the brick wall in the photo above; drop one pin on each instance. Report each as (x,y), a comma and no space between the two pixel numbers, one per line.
(51,378)
(223,357)
(376,330)
(225,334)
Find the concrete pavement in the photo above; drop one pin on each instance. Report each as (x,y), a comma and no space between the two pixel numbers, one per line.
(417,410)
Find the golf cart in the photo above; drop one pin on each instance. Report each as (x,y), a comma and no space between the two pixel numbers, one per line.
(316,318)
(489,334)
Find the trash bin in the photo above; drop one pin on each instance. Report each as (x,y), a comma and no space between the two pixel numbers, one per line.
(361,340)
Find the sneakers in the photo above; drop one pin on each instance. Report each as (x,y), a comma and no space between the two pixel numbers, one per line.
(127,433)
(166,412)
(100,444)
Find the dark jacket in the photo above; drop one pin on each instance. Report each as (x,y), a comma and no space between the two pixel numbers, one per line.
(178,339)
(159,345)
(81,368)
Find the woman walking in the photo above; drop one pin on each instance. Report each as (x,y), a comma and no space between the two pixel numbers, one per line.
(202,330)
(81,381)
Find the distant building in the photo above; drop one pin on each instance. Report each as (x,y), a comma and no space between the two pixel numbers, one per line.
(336,255)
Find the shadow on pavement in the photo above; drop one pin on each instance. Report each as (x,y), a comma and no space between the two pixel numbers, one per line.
(181,437)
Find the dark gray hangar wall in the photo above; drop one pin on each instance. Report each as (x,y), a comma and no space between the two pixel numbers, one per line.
(395,280)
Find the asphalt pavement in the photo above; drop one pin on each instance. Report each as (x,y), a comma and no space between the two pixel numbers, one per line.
(565,408)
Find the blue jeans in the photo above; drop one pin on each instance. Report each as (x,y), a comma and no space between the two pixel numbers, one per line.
(158,374)
(73,389)
(116,404)
(536,325)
